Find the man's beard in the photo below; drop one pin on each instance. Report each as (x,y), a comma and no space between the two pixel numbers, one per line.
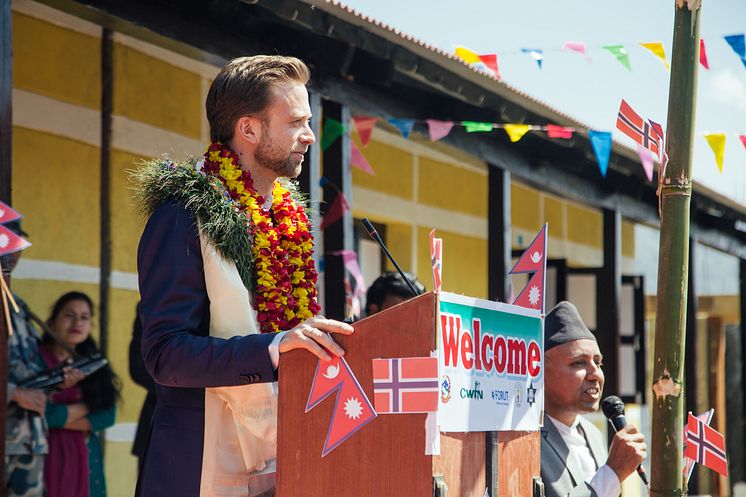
(271,157)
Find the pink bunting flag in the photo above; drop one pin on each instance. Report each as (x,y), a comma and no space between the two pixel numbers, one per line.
(490,60)
(578,47)
(647,161)
(336,211)
(359,161)
(703,54)
(438,129)
(349,258)
(743,140)
(554,131)
(364,126)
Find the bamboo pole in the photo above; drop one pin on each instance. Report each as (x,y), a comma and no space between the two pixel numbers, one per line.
(673,259)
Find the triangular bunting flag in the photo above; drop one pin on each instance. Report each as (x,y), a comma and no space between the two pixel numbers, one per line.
(477,127)
(352,409)
(336,211)
(10,242)
(8,214)
(438,129)
(578,47)
(536,54)
(554,131)
(516,131)
(738,44)
(467,55)
(717,144)
(743,140)
(358,160)
(333,129)
(533,260)
(620,53)
(703,54)
(646,158)
(656,48)
(490,60)
(601,143)
(364,126)
(403,125)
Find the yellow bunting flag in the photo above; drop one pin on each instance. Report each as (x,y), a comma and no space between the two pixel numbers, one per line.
(657,49)
(467,55)
(516,131)
(717,144)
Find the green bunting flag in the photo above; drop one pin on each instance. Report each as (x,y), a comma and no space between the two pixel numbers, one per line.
(333,129)
(620,53)
(477,127)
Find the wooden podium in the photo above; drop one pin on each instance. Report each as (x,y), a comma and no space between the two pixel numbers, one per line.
(387,456)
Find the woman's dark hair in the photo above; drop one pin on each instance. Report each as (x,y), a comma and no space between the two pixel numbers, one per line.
(100,390)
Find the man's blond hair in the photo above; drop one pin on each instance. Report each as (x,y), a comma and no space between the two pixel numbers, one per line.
(242,88)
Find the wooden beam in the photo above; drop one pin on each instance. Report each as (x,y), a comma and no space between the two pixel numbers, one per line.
(6,169)
(337,236)
(498,235)
(107,102)
(608,298)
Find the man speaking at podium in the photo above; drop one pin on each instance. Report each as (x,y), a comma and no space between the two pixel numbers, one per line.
(227,283)
(574,459)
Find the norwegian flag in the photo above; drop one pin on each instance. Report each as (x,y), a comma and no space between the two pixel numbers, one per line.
(705,445)
(352,409)
(631,124)
(403,385)
(706,417)
(436,257)
(8,214)
(10,242)
(533,260)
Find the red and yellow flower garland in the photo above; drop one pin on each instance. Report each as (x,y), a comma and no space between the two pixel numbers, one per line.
(284,271)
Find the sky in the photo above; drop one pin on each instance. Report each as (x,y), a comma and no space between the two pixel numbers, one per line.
(592,91)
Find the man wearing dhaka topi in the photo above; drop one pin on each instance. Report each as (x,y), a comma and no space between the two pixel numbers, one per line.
(228,283)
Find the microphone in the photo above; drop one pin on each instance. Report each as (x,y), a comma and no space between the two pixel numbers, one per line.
(613,408)
(375,236)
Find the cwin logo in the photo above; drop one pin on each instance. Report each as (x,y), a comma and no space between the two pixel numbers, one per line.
(474,393)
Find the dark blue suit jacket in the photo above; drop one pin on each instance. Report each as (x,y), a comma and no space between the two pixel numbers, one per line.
(179,353)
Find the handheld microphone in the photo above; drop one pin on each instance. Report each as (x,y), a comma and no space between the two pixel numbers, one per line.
(375,236)
(613,408)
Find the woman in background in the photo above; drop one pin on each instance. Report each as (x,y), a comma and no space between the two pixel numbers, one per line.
(74,465)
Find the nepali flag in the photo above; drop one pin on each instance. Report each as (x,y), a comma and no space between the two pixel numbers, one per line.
(403,385)
(533,260)
(631,124)
(8,214)
(705,445)
(352,409)
(10,242)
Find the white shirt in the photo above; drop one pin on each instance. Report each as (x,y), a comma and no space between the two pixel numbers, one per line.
(603,481)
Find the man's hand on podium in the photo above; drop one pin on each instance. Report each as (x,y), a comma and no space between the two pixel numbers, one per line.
(313,335)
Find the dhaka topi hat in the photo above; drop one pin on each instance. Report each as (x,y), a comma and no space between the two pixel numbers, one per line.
(563,324)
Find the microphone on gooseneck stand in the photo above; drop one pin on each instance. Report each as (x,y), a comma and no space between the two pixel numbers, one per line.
(613,408)
(375,236)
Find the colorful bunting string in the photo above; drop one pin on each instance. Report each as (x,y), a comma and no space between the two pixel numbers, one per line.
(601,143)
(333,129)
(364,126)
(536,54)
(578,47)
(516,131)
(656,48)
(438,129)
(403,125)
(358,160)
(620,53)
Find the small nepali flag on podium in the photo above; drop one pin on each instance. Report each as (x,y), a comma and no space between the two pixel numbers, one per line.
(705,445)
(405,385)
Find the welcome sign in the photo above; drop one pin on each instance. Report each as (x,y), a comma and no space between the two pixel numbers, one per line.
(491,365)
